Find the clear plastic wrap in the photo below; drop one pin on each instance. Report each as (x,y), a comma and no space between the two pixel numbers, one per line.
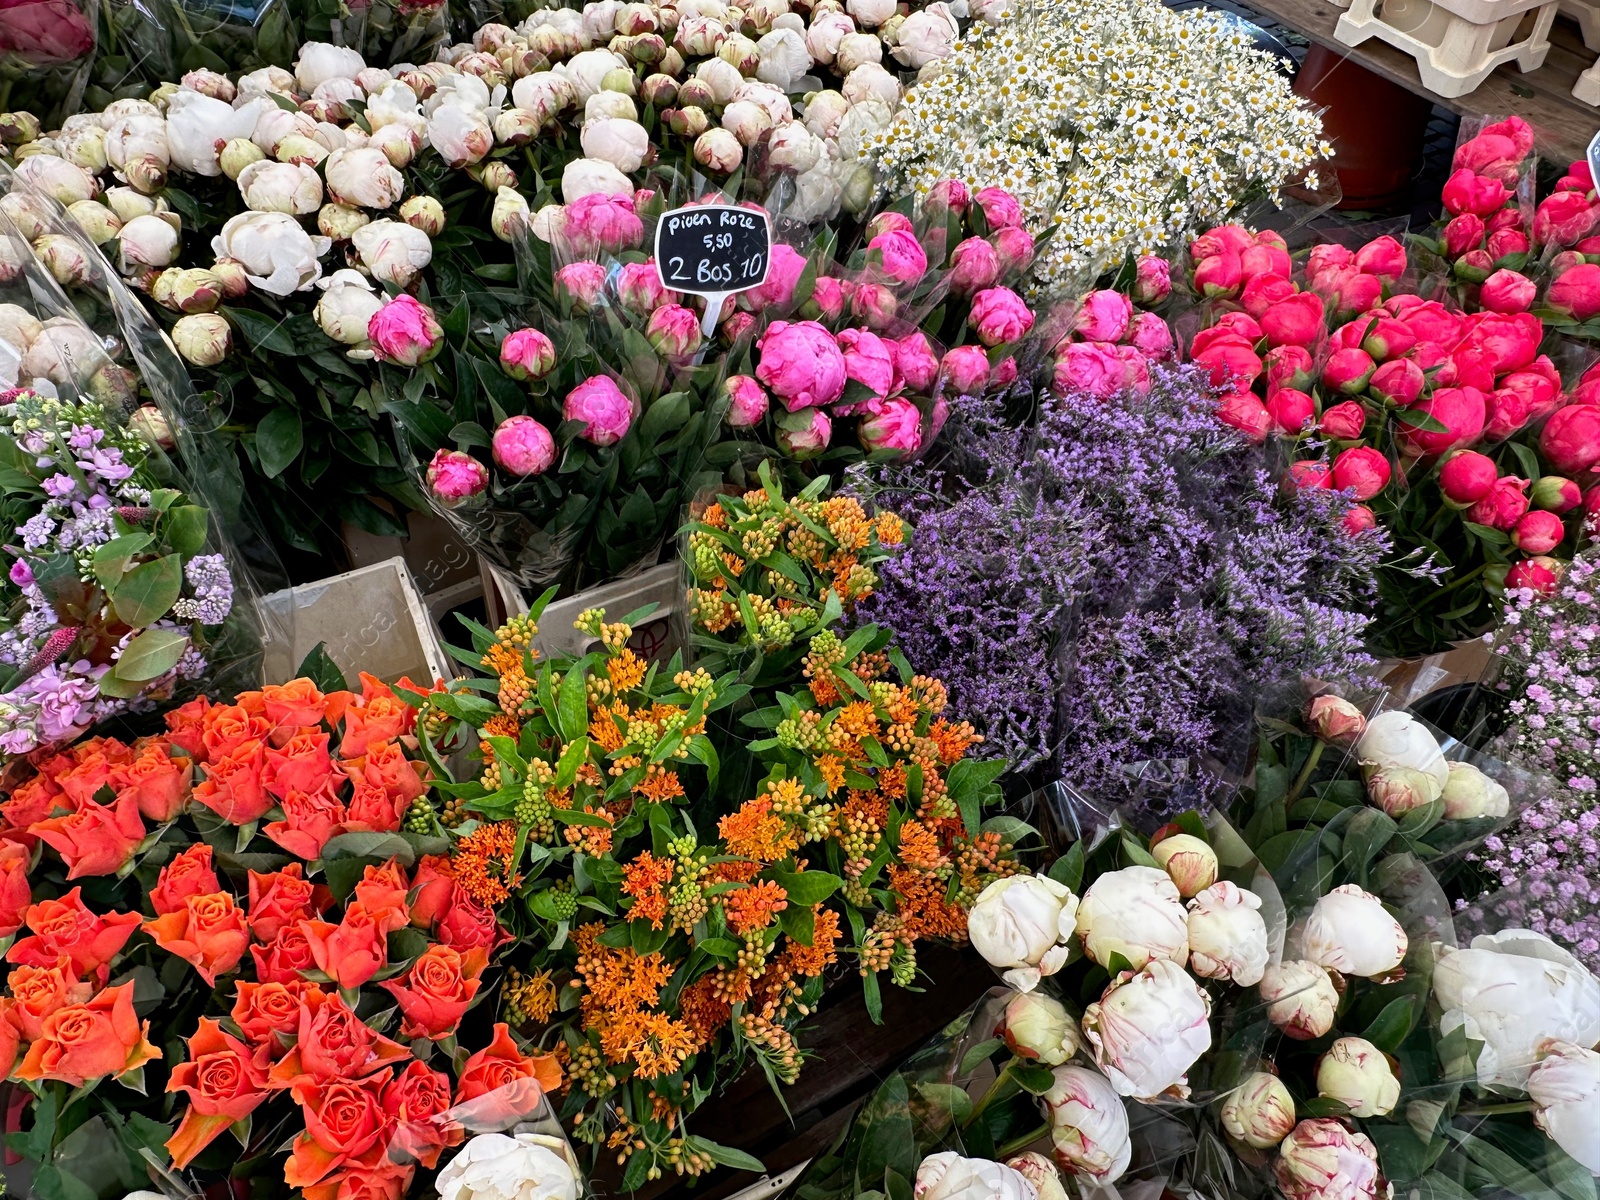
(145,43)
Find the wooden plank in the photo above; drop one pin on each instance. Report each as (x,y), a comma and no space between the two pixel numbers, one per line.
(1543,98)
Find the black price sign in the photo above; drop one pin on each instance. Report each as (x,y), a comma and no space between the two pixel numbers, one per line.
(713,249)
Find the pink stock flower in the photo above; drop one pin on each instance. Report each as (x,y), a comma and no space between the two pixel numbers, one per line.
(801,364)
(1104,316)
(1462,411)
(1467,192)
(808,442)
(1291,411)
(1502,505)
(581,285)
(974,265)
(522,446)
(1361,471)
(999,316)
(904,260)
(915,362)
(747,402)
(1507,292)
(784,270)
(1000,208)
(1343,422)
(1244,412)
(454,476)
(895,425)
(1571,438)
(405,332)
(527,354)
(965,369)
(605,412)
(1466,477)
(1538,532)
(1576,293)
(1152,281)
(598,223)
(1152,337)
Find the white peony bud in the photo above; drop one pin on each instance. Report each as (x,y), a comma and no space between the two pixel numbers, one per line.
(57,178)
(1259,1113)
(1470,794)
(149,423)
(399,143)
(363,178)
(301,151)
(1039,1171)
(857,49)
(1227,936)
(1038,1027)
(1350,931)
(746,121)
(1301,998)
(347,306)
(870,81)
(146,242)
(18,326)
(1088,1125)
(238,154)
(948,1176)
(927,36)
(784,58)
(1191,863)
(393,251)
(320,61)
(64,258)
(510,214)
(278,255)
(793,147)
(128,204)
(587,72)
(66,352)
(493,1166)
(198,126)
(827,31)
(1336,721)
(1148,1029)
(1397,739)
(870,13)
(84,147)
(281,187)
(1135,913)
(718,150)
(1565,1090)
(339,221)
(97,221)
(824,111)
(461,136)
(266,82)
(203,339)
(610,104)
(1398,790)
(1322,1160)
(424,213)
(1355,1073)
(1020,925)
(622,143)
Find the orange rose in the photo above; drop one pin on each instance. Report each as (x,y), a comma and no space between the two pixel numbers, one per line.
(159,783)
(98,839)
(432,884)
(385,765)
(85,1041)
(80,783)
(254,703)
(504,1081)
(114,750)
(37,992)
(372,1177)
(66,926)
(229,726)
(225,1081)
(293,704)
(344,1120)
(232,786)
(372,809)
(29,804)
(15,895)
(283,898)
(301,764)
(269,1013)
(285,958)
(332,1043)
(465,923)
(310,822)
(355,949)
(379,716)
(416,1101)
(437,990)
(383,890)
(9,1043)
(208,933)
(189,874)
(186,723)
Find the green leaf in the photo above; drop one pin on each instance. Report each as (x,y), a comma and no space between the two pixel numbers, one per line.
(1033,1077)
(279,440)
(186,529)
(154,652)
(1393,1025)
(149,591)
(369,844)
(318,667)
(572,704)
(725,1156)
(807,888)
(111,560)
(1068,869)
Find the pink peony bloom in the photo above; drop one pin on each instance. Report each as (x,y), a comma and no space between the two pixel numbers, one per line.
(598,223)
(1305,475)
(1152,337)
(1343,422)
(1219,276)
(1576,293)
(580,285)
(1467,192)
(974,265)
(1014,245)
(1563,219)
(1358,518)
(1295,320)
(1291,411)
(904,260)
(1507,292)
(1462,410)
(454,476)
(1462,233)
(1348,371)
(1263,291)
(808,442)
(1104,316)
(1571,438)
(1289,366)
(1361,471)
(965,369)
(44,33)
(527,354)
(1533,574)
(915,362)
(999,316)
(784,270)
(1152,281)
(1224,239)
(405,332)
(895,425)
(522,446)
(868,359)
(1383,257)
(827,300)
(747,402)
(605,412)
(801,364)
(947,196)
(1090,367)
(1000,208)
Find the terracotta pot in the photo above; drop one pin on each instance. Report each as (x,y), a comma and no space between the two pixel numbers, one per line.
(1376,127)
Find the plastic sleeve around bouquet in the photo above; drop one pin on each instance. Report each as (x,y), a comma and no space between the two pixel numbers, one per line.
(384,32)
(146,43)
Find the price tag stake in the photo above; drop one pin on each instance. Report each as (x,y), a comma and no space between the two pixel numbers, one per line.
(715,251)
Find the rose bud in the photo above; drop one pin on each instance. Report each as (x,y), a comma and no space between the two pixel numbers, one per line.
(1149,1028)
(1535,574)
(522,447)
(1555,494)
(1301,998)
(1463,233)
(1470,794)
(807,443)
(1466,192)
(455,476)
(747,401)
(1020,924)
(1227,935)
(1351,932)
(1361,471)
(1336,721)
(1289,366)
(1467,477)
(1343,422)
(1088,1125)
(1135,912)
(1259,1113)
(1263,291)
(1038,1028)
(1189,862)
(1503,243)
(1503,505)
(1348,371)
(1304,474)
(1398,790)
(1387,338)
(1296,320)
(1576,294)
(1507,292)
(1220,276)
(527,354)
(1358,518)
(1538,532)
(1321,1159)
(202,338)
(1571,438)
(1245,412)
(1357,1074)
(605,412)
(1291,411)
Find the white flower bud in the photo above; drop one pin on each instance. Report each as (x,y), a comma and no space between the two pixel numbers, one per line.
(828,30)
(237,154)
(339,221)
(1259,1113)
(281,187)
(622,143)
(97,221)
(1190,863)
(746,121)
(18,326)
(148,423)
(424,213)
(1227,936)
(870,81)
(364,178)
(1135,913)
(1301,998)
(948,1176)
(927,36)
(1350,931)
(1039,1171)
(793,147)
(1397,739)
(1398,790)
(320,61)
(1038,1027)
(64,258)
(1148,1029)
(1088,1125)
(1355,1072)
(1470,794)
(278,255)
(510,214)
(784,58)
(461,136)
(57,178)
(147,242)
(824,111)
(300,150)
(84,147)
(399,143)
(393,251)
(855,49)
(203,339)
(1565,1090)
(347,306)
(1020,925)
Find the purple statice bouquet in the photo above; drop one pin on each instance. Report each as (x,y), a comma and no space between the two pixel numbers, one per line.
(1111,589)
(109,599)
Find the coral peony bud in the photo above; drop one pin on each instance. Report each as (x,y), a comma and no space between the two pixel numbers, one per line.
(1571,438)
(1554,494)
(1336,721)
(1467,477)
(1576,293)
(1502,505)
(1348,371)
(1345,421)
(1361,471)
(1538,532)
(1507,292)
(1358,518)
(1244,412)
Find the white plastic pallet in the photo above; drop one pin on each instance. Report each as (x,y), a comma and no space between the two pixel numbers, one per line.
(1456,43)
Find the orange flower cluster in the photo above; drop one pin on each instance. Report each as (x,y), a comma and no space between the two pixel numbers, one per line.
(621,988)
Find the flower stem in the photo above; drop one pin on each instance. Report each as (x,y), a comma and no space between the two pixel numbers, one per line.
(1001,1081)
(1490,1110)
(1017,1143)
(1304,777)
